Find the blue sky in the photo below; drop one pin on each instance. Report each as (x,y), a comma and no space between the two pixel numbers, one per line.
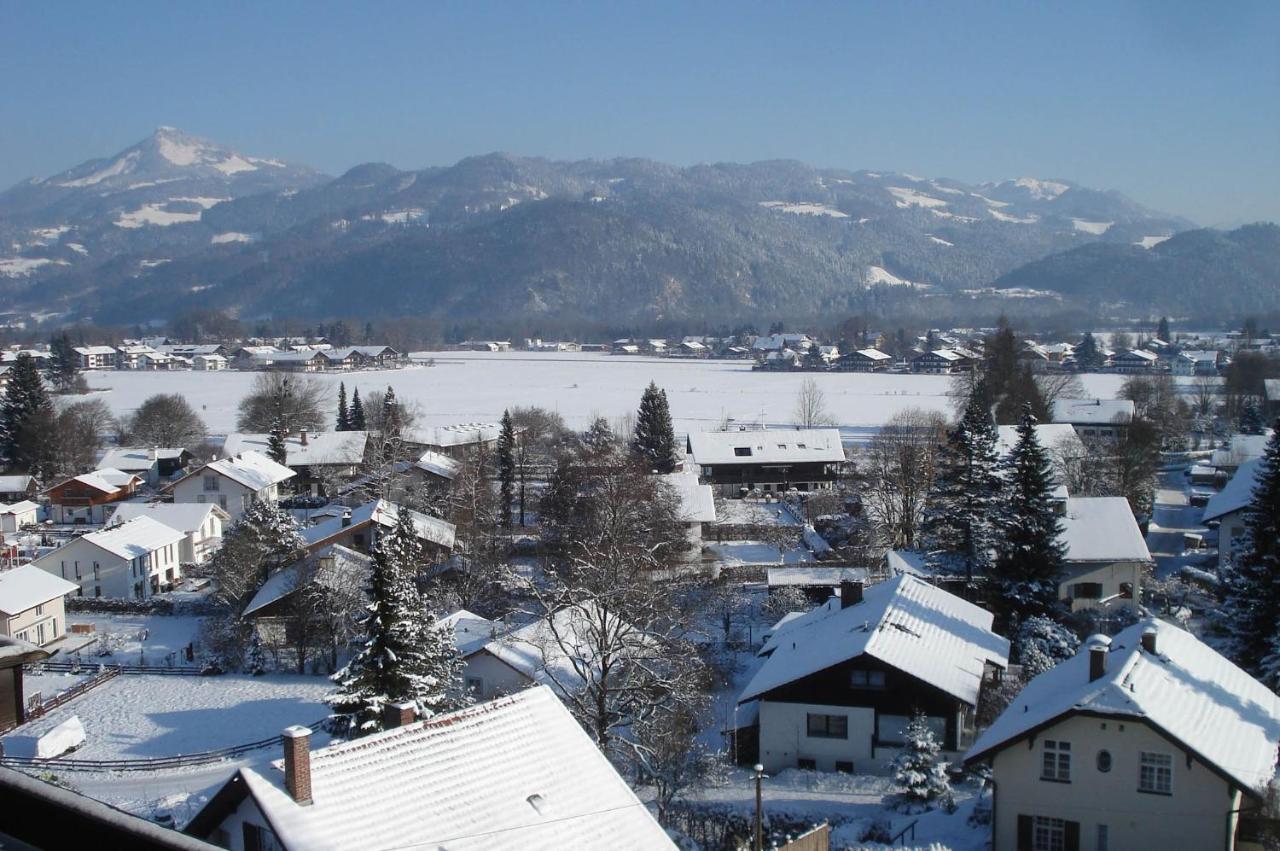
(1176,104)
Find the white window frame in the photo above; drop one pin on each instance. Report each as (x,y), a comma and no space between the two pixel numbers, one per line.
(1055,761)
(1155,773)
(1048,834)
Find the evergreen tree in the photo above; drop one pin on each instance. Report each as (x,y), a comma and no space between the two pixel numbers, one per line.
(405,657)
(1029,549)
(917,772)
(1251,604)
(256,660)
(392,425)
(357,412)
(63,362)
(506,468)
(1162,330)
(1088,355)
(343,422)
(27,434)
(654,443)
(1251,421)
(598,441)
(959,521)
(276,447)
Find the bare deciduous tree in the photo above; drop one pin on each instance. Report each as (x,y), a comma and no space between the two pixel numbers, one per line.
(899,469)
(295,401)
(811,406)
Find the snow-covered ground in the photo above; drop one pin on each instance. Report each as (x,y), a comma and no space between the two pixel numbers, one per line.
(749,511)
(1173,516)
(478,386)
(132,717)
(164,635)
(732,553)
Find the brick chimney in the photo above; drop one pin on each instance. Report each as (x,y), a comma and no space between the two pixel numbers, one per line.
(850,593)
(1149,642)
(398,714)
(297,763)
(1098,646)
(302,437)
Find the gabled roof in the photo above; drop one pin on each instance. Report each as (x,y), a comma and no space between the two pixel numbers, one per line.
(251,469)
(1092,411)
(438,464)
(13,484)
(940,354)
(20,507)
(871,354)
(1186,689)
(697,501)
(1054,437)
(1102,529)
(766,446)
(130,458)
(27,586)
(135,538)
(325,447)
(514,773)
(386,514)
(334,567)
(1243,447)
(94,350)
(915,627)
(1237,494)
(186,517)
(108,480)
(461,434)
(470,631)
(1136,354)
(538,650)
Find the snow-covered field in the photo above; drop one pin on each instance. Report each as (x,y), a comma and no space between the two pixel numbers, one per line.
(151,716)
(164,635)
(734,553)
(477,386)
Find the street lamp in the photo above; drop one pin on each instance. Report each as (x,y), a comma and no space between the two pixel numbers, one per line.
(759,843)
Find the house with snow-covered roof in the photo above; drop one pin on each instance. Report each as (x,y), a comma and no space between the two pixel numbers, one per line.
(766,460)
(84,499)
(1094,419)
(152,464)
(1240,449)
(697,503)
(201,524)
(315,457)
(865,360)
(1149,739)
(1227,508)
(18,488)
(1105,553)
(233,484)
(131,561)
(95,357)
(514,774)
(32,604)
(359,528)
(452,440)
(15,515)
(838,684)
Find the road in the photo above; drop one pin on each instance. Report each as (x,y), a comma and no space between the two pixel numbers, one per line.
(1171,518)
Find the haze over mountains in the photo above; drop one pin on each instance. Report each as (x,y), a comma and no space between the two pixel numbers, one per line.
(177,222)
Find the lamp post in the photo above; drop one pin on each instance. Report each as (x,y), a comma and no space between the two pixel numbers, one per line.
(759,843)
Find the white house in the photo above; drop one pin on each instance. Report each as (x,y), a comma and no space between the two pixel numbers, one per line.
(233,484)
(201,524)
(697,502)
(95,357)
(1060,439)
(133,560)
(514,774)
(1106,553)
(149,463)
(1150,739)
(1228,505)
(208,363)
(839,683)
(16,515)
(1094,419)
(32,606)
(1134,360)
(316,457)
(767,460)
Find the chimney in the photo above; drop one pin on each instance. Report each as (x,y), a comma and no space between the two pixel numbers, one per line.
(155,451)
(1149,640)
(850,593)
(302,437)
(398,714)
(297,763)
(1098,646)
(346,518)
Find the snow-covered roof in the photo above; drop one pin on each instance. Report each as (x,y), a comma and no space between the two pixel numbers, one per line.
(15,651)
(874,354)
(1271,388)
(461,434)
(815,576)
(941,354)
(697,501)
(21,507)
(137,537)
(1137,354)
(438,465)
(1055,437)
(470,631)
(907,562)
(1237,494)
(515,773)
(28,586)
(107,480)
(549,650)
(1102,529)
(251,469)
(1186,689)
(130,458)
(907,623)
(386,514)
(334,567)
(766,446)
(1092,411)
(94,350)
(13,484)
(186,517)
(321,448)
(1243,447)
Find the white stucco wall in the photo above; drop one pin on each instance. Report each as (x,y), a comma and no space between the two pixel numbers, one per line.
(1110,575)
(784,738)
(496,677)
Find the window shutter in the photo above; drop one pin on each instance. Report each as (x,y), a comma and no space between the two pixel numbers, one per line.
(1024,833)
(1071,836)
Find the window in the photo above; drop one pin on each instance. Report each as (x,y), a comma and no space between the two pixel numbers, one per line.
(828,726)
(1104,838)
(1155,773)
(706,471)
(1087,591)
(866,679)
(1104,761)
(844,767)
(742,451)
(40,609)
(200,497)
(1057,761)
(806,764)
(222,501)
(211,483)
(475,685)
(1050,834)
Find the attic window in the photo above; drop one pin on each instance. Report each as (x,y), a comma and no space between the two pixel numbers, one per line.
(801,446)
(539,804)
(742,451)
(782,446)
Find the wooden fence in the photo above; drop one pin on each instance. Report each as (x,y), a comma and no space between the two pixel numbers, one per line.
(45,707)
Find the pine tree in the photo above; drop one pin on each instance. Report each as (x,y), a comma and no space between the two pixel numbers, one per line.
(1087,354)
(917,772)
(598,441)
(506,468)
(1251,421)
(1251,604)
(63,362)
(392,425)
(27,434)
(343,422)
(357,412)
(1029,549)
(1162,330)
(276,441)
(256,660)
(405,657)
(959,521)
(654,443)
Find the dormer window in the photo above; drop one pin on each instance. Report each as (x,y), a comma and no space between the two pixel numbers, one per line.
(742,451)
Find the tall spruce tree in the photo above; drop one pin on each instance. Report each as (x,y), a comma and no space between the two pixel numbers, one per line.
(506,468)
(654,442)
(405,656)
(392,425)
(358,422)
(959,521)
(1252,590)
(1162,330)
(27,434)
(1029,548)
(343,421)
(277,448)
(1087,353)
(64,364)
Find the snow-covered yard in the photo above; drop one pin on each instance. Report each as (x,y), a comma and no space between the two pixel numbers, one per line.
(736,553)
(133,717)
(753,512)
(164,635)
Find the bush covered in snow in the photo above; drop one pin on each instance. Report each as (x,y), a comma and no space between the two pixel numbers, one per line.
(917,772)
(1041,644)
